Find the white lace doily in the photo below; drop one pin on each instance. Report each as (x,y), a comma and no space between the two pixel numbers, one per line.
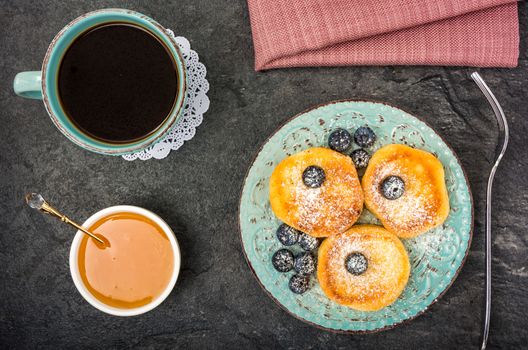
(197,104)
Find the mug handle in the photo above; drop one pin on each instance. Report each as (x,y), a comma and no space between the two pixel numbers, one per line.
(28,84)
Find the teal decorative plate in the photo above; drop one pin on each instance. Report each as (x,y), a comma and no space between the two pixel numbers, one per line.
(436,256)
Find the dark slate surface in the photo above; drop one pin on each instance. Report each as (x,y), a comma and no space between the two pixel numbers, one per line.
(217,303)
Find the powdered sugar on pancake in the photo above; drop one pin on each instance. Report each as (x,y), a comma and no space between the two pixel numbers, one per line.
(382,282)
(424,203)
(381,274)
(317,208)
(413,208)
(331,208)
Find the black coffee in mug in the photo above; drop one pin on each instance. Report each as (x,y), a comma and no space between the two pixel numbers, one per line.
(118,82)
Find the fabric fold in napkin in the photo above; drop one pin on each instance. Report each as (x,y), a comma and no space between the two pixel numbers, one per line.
(296,33)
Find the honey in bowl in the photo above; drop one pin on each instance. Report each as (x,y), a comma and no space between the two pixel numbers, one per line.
(134,267)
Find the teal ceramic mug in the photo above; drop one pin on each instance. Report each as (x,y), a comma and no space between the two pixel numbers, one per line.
(43,84)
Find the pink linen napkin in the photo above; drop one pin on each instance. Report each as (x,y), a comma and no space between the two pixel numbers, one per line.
(295,33)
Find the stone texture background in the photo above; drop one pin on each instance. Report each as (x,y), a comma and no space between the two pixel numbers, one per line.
(217,303)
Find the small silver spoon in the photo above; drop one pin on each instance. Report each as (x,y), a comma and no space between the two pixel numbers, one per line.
(504,134)
(36,201)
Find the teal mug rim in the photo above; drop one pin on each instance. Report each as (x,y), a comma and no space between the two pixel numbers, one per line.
(52,60)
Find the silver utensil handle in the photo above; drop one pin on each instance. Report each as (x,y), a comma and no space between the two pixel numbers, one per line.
(503,133)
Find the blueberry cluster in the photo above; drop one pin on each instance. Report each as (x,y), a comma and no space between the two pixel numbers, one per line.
(341,140)
(289,236)
(304,264)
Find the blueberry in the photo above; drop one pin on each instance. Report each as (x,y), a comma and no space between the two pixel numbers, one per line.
(304,264)
(340,140)
(313,176)
(356,263)
(361,158)
(282,260)
(287,235)
(392,187)
(299,284)
(364,136)
(307,242)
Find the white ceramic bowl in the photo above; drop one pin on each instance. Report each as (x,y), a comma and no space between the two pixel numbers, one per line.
(74,267)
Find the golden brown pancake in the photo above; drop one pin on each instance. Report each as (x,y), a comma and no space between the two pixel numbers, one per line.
(424,203)
(383,280)
(332,208)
